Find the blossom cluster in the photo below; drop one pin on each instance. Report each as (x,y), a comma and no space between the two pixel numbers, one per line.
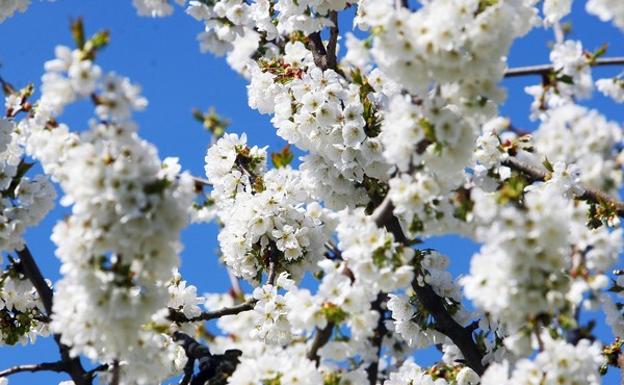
(558,362)
(21,309)
(319,112)
(264,218)
(445,41)
(401,140)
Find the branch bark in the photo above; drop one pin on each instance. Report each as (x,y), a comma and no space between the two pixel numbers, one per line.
(332,44)
(325,57)
(72,366)
(445,324)
(372,371)
(320,339)
(588,194)
(545,69)
(58,367)
(433,303)
(178,317)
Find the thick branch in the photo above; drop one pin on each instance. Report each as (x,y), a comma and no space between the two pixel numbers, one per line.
(188,372)
(372,370)
(193,349)
(545,69)
(211,367)
(320,339)
(32,272)
(332,60)
(445,324)
(72,366)
(588,194)
(433,303)
(318,50)
(46,366)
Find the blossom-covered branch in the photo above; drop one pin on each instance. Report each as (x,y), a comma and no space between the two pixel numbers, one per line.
(585,193)
(70,365)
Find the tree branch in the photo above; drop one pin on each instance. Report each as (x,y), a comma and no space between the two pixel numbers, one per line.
(272,274)
(372,370)
(315,44)
(398,4)
(545,69)
(445,324)
(72,366)
(58,367)
(433,303)
(320,339)
(178,317)
(213,369)
(536,175)
(115,379)
(332,60)
(188,372)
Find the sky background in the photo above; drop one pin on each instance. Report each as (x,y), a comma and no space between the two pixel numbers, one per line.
(163,56)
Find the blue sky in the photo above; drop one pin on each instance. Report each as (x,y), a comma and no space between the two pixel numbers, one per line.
(163,56)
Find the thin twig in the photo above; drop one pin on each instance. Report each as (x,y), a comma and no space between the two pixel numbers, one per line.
(58,367)
(179,317)
(588,194)
(545,69)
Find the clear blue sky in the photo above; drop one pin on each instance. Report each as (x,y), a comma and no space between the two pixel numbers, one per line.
(163,56)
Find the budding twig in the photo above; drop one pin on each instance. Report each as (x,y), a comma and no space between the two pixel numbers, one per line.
(588,194)
(545,69)
(178,317)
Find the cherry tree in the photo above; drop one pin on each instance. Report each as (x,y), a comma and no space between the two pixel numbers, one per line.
(402,139)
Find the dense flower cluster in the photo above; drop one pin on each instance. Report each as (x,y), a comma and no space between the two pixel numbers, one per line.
(558,363)
(571,80)
(613,88)
(410,373)
(585,138)
(20,309)
(522,264)
(264,220)
(400,139)
(321,113)
(445,41)
(24,201)
(607,10)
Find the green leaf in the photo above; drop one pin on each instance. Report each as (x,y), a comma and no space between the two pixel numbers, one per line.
(77,32)
(548,165)
(283,157)
(567,79)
